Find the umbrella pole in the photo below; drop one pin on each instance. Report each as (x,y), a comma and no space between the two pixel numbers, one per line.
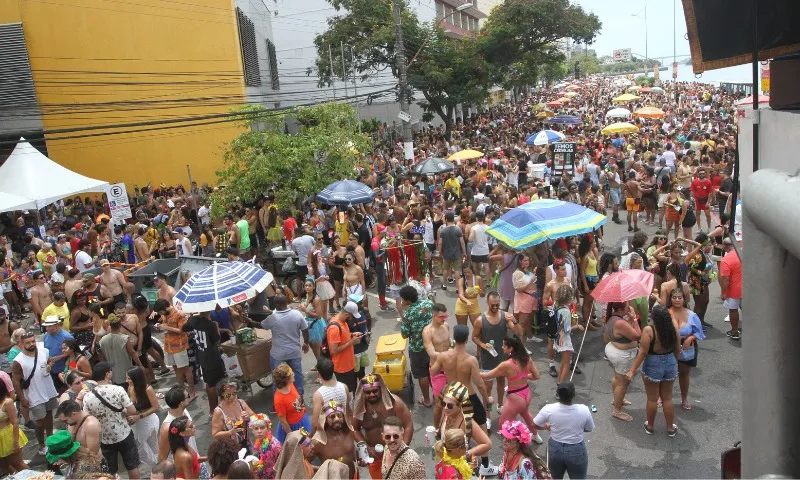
(578,356)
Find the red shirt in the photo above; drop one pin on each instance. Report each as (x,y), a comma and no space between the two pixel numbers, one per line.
(289,226)
(731,267)
(701,188)
(289,405)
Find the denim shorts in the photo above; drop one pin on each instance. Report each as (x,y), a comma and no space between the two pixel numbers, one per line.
(660,368)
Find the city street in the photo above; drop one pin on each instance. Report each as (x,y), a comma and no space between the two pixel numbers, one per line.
(616,449)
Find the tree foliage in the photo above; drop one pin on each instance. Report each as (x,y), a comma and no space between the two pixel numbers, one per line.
(293,166)
(587,64)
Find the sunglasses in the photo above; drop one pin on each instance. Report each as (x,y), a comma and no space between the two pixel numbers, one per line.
(391,436)
(449,406)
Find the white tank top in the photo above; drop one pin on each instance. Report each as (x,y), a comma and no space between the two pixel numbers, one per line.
(41,389)
(337,393)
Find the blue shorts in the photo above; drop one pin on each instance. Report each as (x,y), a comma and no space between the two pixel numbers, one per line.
(615,196)
(660,368)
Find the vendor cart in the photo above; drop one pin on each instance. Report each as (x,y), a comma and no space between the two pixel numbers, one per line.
(390,363)
(253,360)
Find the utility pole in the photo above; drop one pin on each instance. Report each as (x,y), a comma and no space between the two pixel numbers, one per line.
(675,52)
(355,86)
(400,52)
(645,40)
(344,71)
(333,80)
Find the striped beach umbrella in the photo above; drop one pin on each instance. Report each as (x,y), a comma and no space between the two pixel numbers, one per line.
(545,137)
(541,220)
(223,284)
(345,193)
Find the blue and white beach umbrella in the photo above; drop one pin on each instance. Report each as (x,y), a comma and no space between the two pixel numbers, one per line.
(346,193)
(223,284)
(546,137)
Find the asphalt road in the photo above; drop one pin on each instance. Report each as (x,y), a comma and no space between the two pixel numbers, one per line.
(616,449)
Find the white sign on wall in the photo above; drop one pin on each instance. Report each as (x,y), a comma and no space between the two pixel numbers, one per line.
(118,202)
(622,55)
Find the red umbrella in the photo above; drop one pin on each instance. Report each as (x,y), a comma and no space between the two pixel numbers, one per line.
(555,103)
(645,90)
(762,100)
(623,286)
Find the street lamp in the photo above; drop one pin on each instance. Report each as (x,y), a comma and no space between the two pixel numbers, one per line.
(459,8)
(645,37)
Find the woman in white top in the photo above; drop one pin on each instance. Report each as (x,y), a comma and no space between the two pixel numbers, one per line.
(567,424)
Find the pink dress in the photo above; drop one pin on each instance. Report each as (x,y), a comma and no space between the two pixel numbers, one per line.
(525,301)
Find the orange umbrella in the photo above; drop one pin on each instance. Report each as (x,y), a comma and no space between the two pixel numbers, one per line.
(563,99)
(645,90)
(649,112)
(572,87)
(555,103)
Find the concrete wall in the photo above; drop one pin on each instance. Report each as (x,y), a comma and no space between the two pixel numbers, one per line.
(778,141)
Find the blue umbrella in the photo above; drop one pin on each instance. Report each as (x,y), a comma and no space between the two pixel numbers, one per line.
(222,284)
(565,120)
(546,137)
(346,193)
(535,222)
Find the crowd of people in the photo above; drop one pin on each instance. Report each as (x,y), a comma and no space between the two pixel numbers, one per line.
(103,345)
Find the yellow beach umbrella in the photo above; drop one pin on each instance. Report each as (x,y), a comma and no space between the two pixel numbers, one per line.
(572,87)
(620,127)
(625,97)
(634,88)
(465,155)
(538,106)
(571,94)
(545,114)
(649,112)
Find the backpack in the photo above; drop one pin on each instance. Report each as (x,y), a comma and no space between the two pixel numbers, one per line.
(554,322)
(324,348)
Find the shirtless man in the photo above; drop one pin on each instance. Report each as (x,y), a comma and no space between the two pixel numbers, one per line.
(458,365)
(436,339)
(130,326)
(85,429)
(140,247)
(165,291)
(96,291)
(73,284)
(336,439)
(634,201)
(549,298)
(358,250)
(41,296)
(114,281)
(6,328)
(379,403)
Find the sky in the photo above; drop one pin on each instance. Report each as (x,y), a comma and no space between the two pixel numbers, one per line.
(296,22)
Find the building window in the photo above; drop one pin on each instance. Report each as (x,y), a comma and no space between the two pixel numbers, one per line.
(448,13)
(247,40)
(439,11)
(273,65)
(473,24)
(457,19)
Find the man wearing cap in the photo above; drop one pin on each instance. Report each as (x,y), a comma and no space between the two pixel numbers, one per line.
(111,406)
(114,281)
(341,342)
(334,438)
(289,338)
(39,395)
(372,403)
(362,325)
(53,340)
(95,291)
(165,291)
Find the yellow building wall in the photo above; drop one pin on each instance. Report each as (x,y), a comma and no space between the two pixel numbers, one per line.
(104,62)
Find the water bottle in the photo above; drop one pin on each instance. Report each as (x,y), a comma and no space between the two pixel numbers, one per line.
(491,349)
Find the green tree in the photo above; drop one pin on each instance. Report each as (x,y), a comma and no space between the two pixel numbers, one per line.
(587,64)
(294,165)
(531,30)
(444,71)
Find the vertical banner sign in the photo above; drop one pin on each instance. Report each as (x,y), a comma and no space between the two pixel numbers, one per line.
(765,78)
(564,158)
(657,72)
(118,203)
(674,70)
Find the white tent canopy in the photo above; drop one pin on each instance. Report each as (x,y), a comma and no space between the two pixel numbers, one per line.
(10,202)
(29,174)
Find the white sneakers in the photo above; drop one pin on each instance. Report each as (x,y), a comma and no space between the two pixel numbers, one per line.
(538,438)
(490,471)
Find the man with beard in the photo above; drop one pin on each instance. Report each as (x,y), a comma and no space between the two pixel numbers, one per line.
(84,428)
(335,438)
(34,390)
(374,402)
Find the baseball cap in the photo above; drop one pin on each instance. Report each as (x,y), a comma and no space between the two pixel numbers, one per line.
(79,226)
(352,309)
(88,277)
(104,262)
(178,230)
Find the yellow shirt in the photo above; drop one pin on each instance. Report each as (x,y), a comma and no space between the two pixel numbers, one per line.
(342,232)
(48,260)
(62,311)
(452,183)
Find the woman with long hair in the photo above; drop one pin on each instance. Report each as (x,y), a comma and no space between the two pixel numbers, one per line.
(469,286)
(187,461)
(336,263)
(353,281)
(701,273)
(144,422)
(588,278)
(319,269)
(74,382)
(659,349)
(518,370)
(100,326)
(207,240)
(673,281)
(520,462)
(451,453)
(313,307)
(12,439)
(75,361)
(457,413)
(80,324)
(621,334)
(690,330)
(526,302)
(566,324)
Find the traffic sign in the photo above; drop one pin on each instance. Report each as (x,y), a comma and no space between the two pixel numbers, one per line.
(118,202)
(404,116)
